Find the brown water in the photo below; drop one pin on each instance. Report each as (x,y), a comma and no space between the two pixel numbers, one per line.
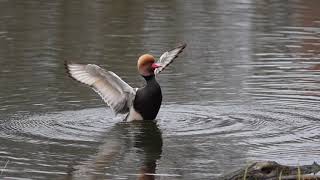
(246,88)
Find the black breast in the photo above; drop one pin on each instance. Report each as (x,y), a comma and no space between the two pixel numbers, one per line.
(148,99)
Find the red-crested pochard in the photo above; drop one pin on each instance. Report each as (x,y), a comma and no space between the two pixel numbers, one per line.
(139,103)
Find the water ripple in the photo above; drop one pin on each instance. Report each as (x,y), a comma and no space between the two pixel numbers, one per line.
(259,126)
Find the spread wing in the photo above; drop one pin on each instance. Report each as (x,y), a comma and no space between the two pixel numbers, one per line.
(112,89)
(168,57)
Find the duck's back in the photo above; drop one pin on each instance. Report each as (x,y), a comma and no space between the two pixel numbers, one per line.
(148,100)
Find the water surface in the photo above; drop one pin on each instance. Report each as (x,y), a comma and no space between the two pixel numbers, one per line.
(246,87)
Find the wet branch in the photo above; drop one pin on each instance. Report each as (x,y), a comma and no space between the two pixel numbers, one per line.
(271,170)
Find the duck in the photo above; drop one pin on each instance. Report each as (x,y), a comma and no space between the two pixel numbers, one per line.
(137,103)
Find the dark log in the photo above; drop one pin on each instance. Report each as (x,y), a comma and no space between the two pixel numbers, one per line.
(303,177)
(271,170)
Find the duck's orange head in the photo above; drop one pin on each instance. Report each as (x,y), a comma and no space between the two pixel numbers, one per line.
(146,65)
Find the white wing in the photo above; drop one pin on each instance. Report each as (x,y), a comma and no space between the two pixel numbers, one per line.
(113,90)
(168,57)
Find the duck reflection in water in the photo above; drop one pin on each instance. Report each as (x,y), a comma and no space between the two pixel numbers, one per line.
(144,138)
(149,141)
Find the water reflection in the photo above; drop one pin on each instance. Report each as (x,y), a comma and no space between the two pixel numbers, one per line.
(149,143)
(246,88)
(144,139)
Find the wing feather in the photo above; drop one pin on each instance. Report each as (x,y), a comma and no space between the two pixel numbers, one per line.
(168,57)
(112,89)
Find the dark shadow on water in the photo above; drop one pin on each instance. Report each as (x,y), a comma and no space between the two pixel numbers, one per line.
(122,141)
